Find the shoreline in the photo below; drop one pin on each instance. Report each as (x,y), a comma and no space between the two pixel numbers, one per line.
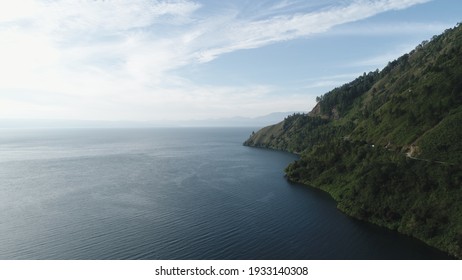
(383,226)
(344,210)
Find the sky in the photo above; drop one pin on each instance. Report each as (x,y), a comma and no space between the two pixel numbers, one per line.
(147,60)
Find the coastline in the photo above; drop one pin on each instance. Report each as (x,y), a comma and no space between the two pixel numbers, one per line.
(382,225)
(341,206)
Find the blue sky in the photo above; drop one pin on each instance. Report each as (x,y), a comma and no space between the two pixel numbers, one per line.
(145,60)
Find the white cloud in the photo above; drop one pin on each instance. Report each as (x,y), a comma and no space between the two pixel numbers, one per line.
(117,59)
(18,10)
(247,35)
(96,15)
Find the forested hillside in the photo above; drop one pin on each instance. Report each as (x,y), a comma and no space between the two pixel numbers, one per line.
(388,145)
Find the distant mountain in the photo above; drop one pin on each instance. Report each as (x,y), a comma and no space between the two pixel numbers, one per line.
(240,121)
(223,122)
(388,145)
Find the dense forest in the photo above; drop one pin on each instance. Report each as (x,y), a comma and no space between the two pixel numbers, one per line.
(388,145)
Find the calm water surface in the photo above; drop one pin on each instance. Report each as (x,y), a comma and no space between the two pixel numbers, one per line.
(183,193)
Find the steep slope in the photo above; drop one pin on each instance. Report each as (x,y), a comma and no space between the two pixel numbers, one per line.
(387,146)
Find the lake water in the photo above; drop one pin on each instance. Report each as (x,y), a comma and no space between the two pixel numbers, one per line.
(170,193)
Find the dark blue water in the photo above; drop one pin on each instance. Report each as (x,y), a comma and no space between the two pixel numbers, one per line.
(183,193)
